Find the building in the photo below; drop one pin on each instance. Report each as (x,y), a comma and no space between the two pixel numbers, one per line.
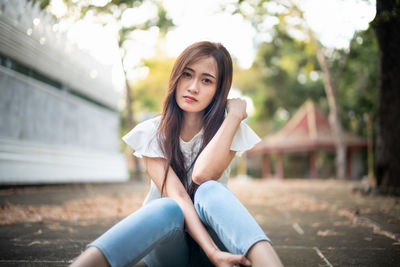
(308,132)
(59,116)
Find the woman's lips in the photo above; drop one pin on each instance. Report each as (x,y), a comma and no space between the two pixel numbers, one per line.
(190,99)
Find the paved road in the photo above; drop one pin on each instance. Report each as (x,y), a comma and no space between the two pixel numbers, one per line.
(311,222)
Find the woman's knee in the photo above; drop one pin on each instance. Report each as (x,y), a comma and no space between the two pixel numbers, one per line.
(167,209)
(209,191)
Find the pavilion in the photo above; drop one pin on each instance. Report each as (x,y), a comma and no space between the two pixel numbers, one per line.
(308,131)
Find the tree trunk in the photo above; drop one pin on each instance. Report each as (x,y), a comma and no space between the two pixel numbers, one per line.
(387,160)
(370,138)
(136,174)
(131,123)
(334,119)
(330,87)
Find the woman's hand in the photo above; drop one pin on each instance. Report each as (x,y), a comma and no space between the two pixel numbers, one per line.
(225,259)
(237,107)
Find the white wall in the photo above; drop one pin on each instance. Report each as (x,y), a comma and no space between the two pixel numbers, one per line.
(48,134)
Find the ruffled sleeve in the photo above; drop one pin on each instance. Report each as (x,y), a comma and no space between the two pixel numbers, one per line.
(143,139)
(244,139)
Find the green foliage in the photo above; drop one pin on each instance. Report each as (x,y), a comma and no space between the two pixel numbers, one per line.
(286,71)
(280,80)
(164,23)
(43,3)
(358,86)
(150,92)
(113,10)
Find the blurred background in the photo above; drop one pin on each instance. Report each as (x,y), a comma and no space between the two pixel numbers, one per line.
(75,76)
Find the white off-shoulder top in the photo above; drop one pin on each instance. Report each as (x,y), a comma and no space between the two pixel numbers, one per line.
(143,140)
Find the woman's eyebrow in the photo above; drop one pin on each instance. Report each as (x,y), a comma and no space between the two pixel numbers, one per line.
(189,69)
(205,73)
(209,75)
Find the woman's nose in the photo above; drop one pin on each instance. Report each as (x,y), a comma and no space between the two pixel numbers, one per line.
(193,87)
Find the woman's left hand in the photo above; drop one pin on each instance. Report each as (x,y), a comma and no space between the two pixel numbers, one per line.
(226,259)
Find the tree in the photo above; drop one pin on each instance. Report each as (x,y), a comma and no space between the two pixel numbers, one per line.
(284,75)
(151,91)
(387,25)
(358,91)
(357,88)
(113,12)
(291,16)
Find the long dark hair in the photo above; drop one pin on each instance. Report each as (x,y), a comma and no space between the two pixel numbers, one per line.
(172,115)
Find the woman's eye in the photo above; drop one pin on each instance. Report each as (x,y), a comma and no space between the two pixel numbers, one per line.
(186,74)
(208,81)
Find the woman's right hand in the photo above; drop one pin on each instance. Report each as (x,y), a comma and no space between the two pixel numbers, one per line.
(226,259)
(237,107)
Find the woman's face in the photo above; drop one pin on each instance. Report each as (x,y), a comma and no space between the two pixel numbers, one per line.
(197,85)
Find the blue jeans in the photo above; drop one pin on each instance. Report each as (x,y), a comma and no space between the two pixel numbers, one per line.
(156,231)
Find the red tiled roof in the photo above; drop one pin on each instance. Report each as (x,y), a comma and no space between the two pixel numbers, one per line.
(308,129)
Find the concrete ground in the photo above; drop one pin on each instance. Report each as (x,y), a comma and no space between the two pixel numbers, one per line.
(311,222)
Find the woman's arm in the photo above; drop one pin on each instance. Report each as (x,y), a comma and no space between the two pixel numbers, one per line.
(175,190)
(216,156)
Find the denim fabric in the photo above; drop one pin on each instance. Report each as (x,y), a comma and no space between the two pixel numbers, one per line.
(156,231)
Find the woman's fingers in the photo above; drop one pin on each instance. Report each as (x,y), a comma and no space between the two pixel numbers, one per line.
(239,259)
(242,260)
(226,259)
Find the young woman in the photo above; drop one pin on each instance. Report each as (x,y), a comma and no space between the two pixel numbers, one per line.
(189,217)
